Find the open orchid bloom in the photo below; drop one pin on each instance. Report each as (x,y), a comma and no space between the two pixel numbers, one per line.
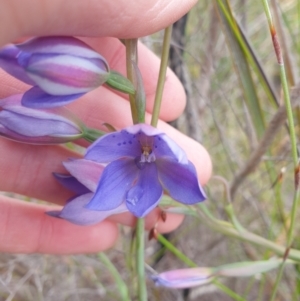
(83,181)
(60,69)
(143,163)
(48,126)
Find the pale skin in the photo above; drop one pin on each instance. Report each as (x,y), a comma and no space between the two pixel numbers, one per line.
(27,169)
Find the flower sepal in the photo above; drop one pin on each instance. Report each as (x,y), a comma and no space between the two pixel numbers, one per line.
(119,82)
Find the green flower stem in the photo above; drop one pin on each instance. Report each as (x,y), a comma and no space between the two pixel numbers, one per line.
(122,287)
(140,266)
(131,56)
(162,75)
(293,138)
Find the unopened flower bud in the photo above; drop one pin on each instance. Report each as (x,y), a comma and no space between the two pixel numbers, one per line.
(51,126)
(61,69)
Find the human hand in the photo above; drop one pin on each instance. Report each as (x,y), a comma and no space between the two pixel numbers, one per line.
(27,169)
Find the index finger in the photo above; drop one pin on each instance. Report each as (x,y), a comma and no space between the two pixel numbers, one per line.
(120,18)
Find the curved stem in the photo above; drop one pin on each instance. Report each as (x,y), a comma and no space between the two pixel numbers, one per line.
(162,75)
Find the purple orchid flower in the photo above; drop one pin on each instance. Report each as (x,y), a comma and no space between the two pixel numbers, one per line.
(61,69)
(52,126)
(143,162)
(83,181)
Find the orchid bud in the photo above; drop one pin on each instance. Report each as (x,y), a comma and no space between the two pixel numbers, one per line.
(183,278)
(51,126)
(61,69)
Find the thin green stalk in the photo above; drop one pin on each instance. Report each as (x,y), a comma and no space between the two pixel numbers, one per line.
(162,75)
(131,56)
(140,259)
(293,138)
(122,287)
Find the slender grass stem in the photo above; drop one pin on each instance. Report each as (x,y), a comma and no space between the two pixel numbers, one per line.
(293,138)
(131,56)
(162,75)
(122,287)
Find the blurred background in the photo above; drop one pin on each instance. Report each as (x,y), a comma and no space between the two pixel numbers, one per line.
(222,51)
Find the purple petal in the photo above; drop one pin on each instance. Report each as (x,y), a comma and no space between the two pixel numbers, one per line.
(62,74)
(116,180)
(59,44)
(180,181)
(9,63)
(145,195)
(114,146)
(163,146)
(71,183)
(86,172)
(183,278)
(75,212)
(36,98)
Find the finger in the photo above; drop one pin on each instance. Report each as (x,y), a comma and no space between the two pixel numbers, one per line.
(114,51)
(25,228)
(121,18)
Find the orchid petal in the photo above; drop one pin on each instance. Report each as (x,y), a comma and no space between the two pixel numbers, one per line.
(146,193)
(116,180)
(9,63)
(86,172)
(75,212)
(163,146)
(184,278)
(180,181)
(36,98)
(114,146)
(71,183)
